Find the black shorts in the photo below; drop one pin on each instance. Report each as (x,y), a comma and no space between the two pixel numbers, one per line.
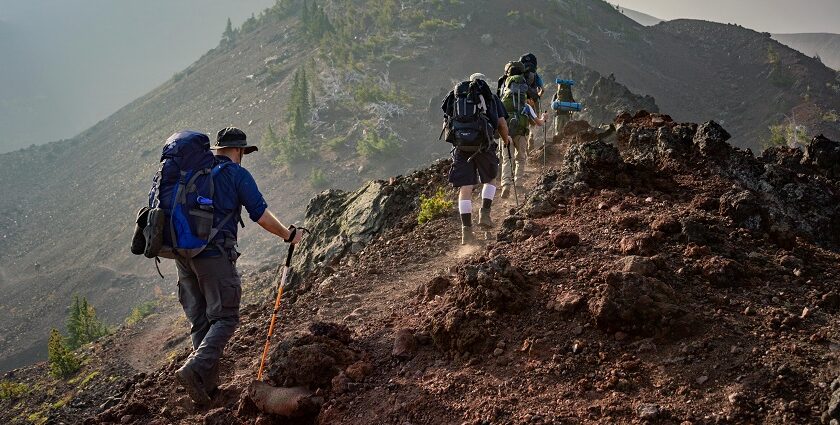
(483,168)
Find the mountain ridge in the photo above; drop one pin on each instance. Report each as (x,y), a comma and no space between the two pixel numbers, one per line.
(93,183)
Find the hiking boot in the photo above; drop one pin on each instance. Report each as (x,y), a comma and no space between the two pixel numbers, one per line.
(467,236)
(213,381)
(484,220)
(505,192)
(191,382)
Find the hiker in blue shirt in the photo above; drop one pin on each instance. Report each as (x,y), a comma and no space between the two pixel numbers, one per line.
(209,286)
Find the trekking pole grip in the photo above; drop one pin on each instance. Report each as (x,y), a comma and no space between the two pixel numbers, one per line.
(292,246)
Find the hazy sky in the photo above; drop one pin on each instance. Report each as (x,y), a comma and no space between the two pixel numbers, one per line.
(774,16)
(66,64)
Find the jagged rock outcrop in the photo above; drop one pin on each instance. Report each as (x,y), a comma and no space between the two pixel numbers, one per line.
(343,223)
(782,193)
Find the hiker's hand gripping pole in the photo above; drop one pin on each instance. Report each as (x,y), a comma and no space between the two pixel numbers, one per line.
(286,268)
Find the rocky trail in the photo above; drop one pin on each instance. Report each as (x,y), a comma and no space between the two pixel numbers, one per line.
(654,274)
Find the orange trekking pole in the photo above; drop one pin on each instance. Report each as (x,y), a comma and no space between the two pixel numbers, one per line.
(286,269)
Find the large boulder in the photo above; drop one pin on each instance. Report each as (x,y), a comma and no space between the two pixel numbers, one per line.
(824,154)
(345,222)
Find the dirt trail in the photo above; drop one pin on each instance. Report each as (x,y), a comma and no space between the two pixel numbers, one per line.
(146,348)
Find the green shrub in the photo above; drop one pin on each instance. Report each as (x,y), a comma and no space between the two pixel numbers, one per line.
(437,24)
(371,91)
(62,361)
(317,179)
(831,116)
(336,143)
(373,146)
(433,207)
(140,312)
(786,135)
(11,389)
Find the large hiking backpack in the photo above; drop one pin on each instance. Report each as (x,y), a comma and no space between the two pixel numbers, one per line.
(180,217)
(529,62)
(511,69)
(469,126)
(514,95)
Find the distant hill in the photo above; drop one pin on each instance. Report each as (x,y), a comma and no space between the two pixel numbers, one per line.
(826,46)
(68,218)
(640,17)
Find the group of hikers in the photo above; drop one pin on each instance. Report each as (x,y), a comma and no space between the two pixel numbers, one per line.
(475,117)
(198,193)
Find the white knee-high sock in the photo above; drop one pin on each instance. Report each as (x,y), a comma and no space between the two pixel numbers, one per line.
(487,194)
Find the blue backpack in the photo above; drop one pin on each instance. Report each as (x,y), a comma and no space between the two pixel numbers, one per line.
(179,220)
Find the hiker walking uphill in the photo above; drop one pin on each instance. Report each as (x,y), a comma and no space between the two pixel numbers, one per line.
(536,89)
(562,115)
(195,206)
(516,94)
(472,114)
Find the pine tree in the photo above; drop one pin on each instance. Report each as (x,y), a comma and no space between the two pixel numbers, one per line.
(271,140)
(83,326)
(303,97)
(74,323)
(297,128)
(62,361)
(229,36)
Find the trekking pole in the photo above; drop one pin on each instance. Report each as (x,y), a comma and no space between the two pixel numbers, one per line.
(286,268)
(545,142)
(510,160)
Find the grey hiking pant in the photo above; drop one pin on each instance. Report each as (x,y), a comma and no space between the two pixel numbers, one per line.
(209,290)
(560,121)
(519,151)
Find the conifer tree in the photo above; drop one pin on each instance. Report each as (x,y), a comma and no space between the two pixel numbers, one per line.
(229,36)
(271,140)
(61,360)
(83,326)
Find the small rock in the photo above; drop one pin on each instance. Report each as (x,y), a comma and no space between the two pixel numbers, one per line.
(830,301)
(565,239)
(568,302)
(636,264)
(649,411)
(340,383)
(498,352)
(667,225)
(644,244)
(577,330)
(404,344)
(357,371)
(701,380)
